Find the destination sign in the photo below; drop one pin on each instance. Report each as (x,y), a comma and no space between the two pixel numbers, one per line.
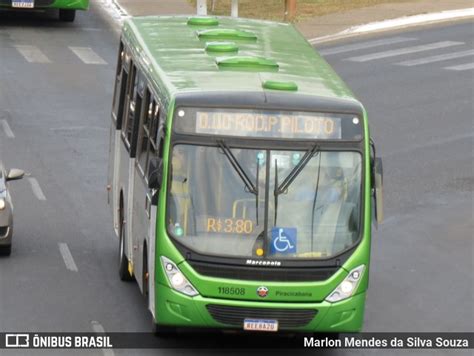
(265,124)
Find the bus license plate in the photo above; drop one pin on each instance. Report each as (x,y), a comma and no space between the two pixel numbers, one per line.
(261,325)
(23,4)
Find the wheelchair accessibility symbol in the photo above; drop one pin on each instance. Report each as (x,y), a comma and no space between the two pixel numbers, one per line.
(283,240)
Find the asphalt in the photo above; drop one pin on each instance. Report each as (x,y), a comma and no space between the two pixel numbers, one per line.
(59,112)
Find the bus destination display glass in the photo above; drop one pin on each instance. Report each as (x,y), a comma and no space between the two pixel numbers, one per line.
(267,124)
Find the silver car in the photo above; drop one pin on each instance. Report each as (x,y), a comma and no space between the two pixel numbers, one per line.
(6,208)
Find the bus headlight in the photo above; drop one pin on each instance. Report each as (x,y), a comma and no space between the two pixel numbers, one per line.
(177,280)
(2,204)
(348,286)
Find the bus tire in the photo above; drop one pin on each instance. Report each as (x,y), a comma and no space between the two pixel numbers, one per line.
(123,261)
(6,250)
(67,15)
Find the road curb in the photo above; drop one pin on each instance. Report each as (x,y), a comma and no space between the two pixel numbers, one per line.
(114,9)
(398,23)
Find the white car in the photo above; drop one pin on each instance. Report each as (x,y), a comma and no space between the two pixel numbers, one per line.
(6,208)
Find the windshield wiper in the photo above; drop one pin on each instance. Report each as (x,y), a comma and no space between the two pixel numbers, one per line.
(238,168)
(314,203)
(275,193)
(296,171)
(251,188)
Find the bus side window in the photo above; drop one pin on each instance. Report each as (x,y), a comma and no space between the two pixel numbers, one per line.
(120,87)
(153,127)
(144,133)
(135,98)
(159,132)
(129,105)
(147,147)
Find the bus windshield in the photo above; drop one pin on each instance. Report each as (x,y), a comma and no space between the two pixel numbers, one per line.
(213,210)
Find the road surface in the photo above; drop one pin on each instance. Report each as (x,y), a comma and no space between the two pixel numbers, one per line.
(55,98)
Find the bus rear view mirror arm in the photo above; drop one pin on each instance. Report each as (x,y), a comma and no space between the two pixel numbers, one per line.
(378,189)
(15,174)
(155,177)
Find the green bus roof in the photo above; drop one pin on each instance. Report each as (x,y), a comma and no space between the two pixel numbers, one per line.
(182,54)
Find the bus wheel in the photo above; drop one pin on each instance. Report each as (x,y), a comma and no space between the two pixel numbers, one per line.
(123,261)
(6,250)
(67,15)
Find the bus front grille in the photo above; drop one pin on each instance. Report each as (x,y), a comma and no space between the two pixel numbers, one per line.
(263,274)
(38,3)
(287,318)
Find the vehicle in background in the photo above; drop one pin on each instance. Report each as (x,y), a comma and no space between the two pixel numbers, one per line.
(242,178)
(67,8)
(6,208)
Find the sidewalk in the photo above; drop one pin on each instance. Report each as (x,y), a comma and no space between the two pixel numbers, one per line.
(334,23)
(318,26)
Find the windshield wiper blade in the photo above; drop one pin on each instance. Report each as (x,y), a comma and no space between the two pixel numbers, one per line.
(238,168)
(314,203)
(275,195)
(296,171)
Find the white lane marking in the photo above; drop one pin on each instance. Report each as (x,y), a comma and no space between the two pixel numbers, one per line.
(406,50)
(87,55)
(32,54)
(364,45)
(7,129)
(67,257)
(91,29)
(466,66)
(36,188)
(438,58)
(99,329)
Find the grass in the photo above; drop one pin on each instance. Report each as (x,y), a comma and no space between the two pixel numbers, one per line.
(275,9)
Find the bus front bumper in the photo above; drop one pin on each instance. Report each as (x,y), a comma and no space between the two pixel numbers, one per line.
(71,4)
(176,309)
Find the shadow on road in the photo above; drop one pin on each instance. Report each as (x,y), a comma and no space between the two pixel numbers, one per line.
(33,19)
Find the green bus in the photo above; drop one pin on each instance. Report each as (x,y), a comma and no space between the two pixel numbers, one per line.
(242,178)
(67,8)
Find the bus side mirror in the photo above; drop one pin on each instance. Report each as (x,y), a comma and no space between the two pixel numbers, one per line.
(378,189)
(155,170)
(15,174)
